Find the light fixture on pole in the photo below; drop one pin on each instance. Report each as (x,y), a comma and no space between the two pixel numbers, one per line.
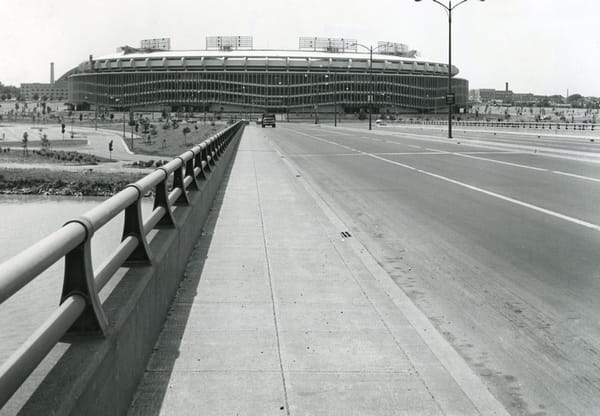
(371,79)
(450,96)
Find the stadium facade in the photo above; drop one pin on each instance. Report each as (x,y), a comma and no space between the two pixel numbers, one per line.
(254,81)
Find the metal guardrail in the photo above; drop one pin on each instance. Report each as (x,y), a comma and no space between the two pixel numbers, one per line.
(80,311)
(509,124)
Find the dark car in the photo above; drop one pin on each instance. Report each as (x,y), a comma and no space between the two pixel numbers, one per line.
(268,120)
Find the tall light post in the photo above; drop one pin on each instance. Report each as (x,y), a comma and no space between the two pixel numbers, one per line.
(123,117)
(371,80)
(450,97)
(96,108)
(335,87)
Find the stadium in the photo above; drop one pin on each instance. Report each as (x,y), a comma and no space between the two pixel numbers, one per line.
(324,76)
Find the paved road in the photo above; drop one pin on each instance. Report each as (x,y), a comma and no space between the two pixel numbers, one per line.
(495,240)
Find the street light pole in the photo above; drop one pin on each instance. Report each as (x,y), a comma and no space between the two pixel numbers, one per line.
(372,86)
(450,98)
(96,109)
(335,87)
(371,78)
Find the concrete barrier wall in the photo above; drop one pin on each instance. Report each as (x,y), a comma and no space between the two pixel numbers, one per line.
(100,376)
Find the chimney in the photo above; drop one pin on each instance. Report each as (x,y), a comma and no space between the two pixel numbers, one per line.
(507,87)
(51,72)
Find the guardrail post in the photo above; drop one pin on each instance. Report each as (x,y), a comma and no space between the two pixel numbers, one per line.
(211,151)
(189,172)
(79,280)
(215,148)
(133,226)
(198,163)
(205,155)
(220,142)
(178,182)
(161,199)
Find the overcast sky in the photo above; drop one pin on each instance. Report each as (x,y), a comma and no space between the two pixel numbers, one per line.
(539,46)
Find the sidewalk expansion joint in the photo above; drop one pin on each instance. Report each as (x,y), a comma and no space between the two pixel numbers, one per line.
(271,292)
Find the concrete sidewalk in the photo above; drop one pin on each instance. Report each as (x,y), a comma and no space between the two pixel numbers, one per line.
(279,314)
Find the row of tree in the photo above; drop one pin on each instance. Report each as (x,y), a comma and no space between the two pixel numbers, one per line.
(8,92)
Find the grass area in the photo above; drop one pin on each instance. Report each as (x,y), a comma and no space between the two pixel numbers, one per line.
(49,156)
(169,139)
(86,182)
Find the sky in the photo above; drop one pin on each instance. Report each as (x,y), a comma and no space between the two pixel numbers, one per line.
(539,46)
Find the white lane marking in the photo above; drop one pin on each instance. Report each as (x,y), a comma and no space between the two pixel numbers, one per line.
(471,187)
(489,152)
(467,154)
(324,155)
(493,161)
(409,153)
(587,178)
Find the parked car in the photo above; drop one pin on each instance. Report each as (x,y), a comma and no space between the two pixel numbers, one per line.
(268,120)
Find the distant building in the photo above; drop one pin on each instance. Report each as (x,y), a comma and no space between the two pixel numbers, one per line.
(524,99)
(474,96)
(506,96)
(53,91)
(58,91)
(487,95)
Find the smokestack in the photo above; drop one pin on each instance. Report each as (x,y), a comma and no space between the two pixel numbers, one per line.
(507,87)
(51,72)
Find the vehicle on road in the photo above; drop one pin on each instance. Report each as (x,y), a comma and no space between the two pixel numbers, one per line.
(268,120)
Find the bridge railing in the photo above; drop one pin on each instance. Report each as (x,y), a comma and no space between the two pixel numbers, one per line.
(508,124)
(80,311)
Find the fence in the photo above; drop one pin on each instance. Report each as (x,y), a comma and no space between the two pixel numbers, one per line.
(508,124)
(80,314)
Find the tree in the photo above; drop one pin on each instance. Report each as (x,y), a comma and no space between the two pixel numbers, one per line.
(153,131)
(24,141)
(36,96)
(186,130)
(45,141)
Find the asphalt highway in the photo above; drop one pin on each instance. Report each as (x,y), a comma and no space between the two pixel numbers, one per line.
(494,235)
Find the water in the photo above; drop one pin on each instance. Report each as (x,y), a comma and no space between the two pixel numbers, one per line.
(25,220)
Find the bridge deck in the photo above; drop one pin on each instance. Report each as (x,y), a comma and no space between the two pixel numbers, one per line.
(281,315)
